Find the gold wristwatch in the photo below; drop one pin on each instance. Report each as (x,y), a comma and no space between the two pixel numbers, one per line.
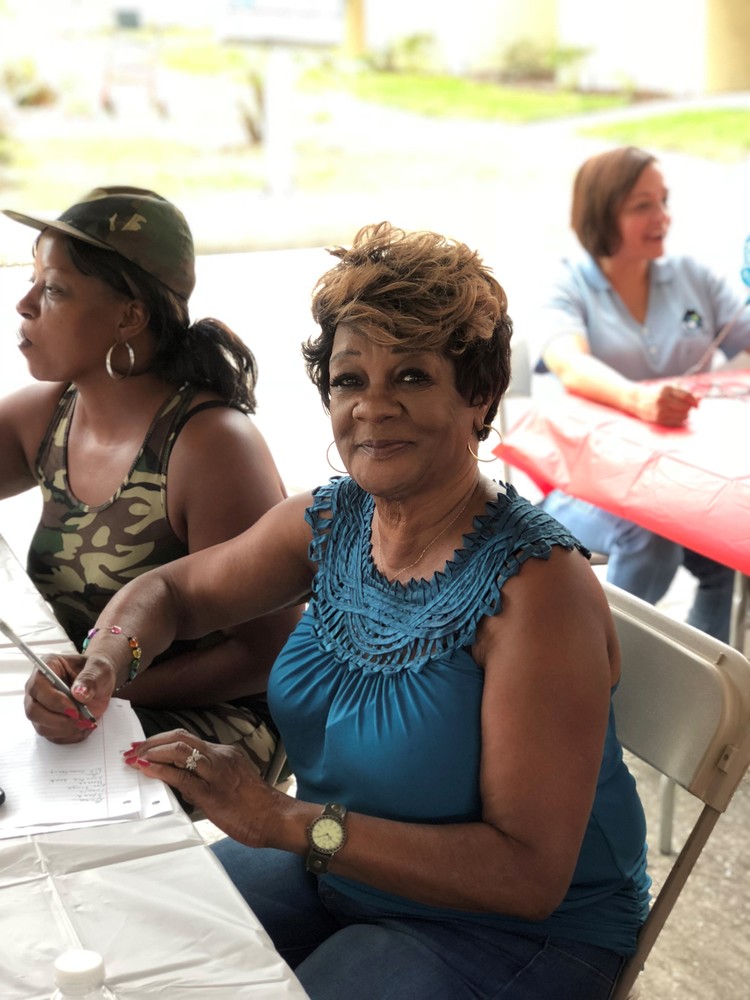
(326,834)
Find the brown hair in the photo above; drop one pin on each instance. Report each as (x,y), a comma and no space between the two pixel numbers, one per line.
(600,187)
(422,289)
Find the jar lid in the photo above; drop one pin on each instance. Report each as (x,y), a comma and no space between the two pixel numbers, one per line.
(78,971)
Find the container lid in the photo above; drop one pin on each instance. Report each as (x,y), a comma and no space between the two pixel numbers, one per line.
(78,971)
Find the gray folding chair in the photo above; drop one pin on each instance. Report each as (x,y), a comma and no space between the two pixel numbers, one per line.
(516,399)
(683,706)
(518,390)
(739,621)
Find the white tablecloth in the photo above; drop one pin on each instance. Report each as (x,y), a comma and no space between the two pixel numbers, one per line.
(147,894)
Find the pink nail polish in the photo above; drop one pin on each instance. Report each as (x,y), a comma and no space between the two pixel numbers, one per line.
(132,759)
(79,691)
(142,762)
(71,713)
(85,724)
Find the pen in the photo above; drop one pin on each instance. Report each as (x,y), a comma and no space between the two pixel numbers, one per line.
(48,672)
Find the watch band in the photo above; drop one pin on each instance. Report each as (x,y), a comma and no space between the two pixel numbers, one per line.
(320,855)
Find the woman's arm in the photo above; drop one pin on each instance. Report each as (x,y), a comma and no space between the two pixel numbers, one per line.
(550,659)
(214,589)
(570,358)
(221,480)
(24,417)
(238,665)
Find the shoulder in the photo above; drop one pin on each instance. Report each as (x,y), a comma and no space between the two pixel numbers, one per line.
(579,272)
(563,592)
(682,269)
(220,470)
(576,288)
(25,418)
(522,530)
(44,395)
(30,409)
(336,505)
(218,431)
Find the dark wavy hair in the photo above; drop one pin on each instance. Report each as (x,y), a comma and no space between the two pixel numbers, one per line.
(206,354)
(420,289)
(601,186)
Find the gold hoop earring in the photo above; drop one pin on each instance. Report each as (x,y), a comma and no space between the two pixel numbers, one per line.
(328,459)
(117,376)
(484,461)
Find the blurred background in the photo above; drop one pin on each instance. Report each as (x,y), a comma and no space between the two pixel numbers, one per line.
(288,123)
(282,127)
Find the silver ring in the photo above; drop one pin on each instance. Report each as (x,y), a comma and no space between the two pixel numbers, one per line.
(192,761)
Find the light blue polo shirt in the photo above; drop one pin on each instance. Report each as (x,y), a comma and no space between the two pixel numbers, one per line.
(687,307)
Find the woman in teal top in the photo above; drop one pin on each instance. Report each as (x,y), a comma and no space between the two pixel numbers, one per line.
(369,692)
(464,824)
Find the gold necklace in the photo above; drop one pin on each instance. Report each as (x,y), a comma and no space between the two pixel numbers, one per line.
(429,545)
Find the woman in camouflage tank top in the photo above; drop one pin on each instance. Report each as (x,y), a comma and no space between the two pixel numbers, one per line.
(138,432)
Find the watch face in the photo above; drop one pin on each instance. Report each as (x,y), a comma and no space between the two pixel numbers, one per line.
(327,834)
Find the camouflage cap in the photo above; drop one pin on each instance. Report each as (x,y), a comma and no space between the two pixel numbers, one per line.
(140,225)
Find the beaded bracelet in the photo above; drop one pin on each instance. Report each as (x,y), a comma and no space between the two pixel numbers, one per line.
(135,649)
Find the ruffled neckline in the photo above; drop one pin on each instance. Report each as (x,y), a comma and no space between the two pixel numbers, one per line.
(376,624)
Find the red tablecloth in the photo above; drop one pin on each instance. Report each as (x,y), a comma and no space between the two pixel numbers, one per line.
(690,484)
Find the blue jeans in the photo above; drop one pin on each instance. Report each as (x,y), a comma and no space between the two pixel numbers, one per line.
(340,948)
(644,564)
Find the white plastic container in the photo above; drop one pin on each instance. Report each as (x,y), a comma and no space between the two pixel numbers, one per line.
(79,975)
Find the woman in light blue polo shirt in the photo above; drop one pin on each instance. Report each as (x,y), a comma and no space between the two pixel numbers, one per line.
(623,313)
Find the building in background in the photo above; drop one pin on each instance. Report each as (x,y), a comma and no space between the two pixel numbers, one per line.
(674,47)
(670,47)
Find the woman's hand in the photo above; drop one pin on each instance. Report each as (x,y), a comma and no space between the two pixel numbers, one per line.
(668,405)
(570,358)
(217,779)
(52,713)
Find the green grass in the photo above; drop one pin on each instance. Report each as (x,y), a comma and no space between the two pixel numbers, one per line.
(53,170)
(183,54)
(721,134)
(453,97)
(59,169)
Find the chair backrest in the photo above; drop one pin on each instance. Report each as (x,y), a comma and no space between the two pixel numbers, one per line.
(519,388)
(683,706)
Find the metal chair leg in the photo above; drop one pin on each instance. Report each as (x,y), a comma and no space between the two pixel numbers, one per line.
(738,621)
(666,814)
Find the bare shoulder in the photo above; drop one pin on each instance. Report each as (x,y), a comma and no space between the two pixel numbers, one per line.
(25,415)
(38,396)
(219,435)
(221,476)
(202,423)
(549,605)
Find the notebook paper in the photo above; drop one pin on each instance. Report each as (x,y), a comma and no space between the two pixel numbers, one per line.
(51,786)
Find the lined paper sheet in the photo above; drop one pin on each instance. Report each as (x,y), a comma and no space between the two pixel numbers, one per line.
(48,786)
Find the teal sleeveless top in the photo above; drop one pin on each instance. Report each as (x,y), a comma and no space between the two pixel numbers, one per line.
(378,701)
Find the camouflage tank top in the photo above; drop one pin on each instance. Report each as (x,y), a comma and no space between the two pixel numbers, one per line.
(80,556)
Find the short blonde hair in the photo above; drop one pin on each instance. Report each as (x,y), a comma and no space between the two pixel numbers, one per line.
(420,289)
